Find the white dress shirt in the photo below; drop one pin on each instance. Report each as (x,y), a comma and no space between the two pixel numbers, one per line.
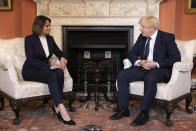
(44,45)
(151,48)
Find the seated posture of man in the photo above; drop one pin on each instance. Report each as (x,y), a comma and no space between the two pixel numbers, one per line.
(152,58)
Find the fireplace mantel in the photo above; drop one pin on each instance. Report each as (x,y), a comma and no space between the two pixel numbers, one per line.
(95,13)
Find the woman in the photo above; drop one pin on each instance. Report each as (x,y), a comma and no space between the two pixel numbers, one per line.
(39,47)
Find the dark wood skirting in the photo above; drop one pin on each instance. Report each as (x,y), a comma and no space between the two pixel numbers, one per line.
(168,105)
(16,104)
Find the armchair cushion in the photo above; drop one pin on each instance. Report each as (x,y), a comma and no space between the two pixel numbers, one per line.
(184,66)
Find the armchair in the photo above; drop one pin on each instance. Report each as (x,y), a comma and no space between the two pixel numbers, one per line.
(18,91)
(177,89)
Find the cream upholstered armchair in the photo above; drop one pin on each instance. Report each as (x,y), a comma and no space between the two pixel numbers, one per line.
(178,88)
(12,85)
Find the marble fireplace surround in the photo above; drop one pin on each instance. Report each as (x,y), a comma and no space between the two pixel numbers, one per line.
(95,13)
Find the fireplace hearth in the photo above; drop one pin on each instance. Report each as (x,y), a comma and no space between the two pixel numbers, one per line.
(89,42)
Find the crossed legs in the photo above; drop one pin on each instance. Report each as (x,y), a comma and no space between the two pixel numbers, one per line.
(55,80)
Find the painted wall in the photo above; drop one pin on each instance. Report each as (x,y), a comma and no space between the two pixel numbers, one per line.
(185,23)
(18,22)
(10,23)
(167,15)
(174,19)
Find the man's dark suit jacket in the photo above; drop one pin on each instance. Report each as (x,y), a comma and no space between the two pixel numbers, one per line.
(165,51)
(35,55)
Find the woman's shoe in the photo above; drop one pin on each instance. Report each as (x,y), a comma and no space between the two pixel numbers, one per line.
(70,122)
(59,116)
(56,114)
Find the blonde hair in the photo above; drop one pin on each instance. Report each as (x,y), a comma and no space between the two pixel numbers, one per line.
(150,21)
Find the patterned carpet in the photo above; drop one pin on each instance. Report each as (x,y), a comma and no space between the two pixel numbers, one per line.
(38,117)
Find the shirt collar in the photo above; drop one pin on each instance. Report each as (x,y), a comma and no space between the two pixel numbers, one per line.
(154,35)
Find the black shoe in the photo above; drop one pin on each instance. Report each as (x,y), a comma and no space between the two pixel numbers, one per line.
(122,112)
(56,113)
(141,119)
(70,122)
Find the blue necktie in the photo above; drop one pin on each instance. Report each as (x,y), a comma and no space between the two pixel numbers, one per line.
(146,51)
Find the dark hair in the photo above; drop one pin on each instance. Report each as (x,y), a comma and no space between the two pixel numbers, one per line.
(39,23)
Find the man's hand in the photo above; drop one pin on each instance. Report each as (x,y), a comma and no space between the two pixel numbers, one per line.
(63,63)
(142,62)
(148,65)
(55,66)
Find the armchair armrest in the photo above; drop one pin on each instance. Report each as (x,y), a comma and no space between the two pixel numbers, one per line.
(184,66)
(9,79)
(8,65)
(181,72)
(180,81)
(127,63)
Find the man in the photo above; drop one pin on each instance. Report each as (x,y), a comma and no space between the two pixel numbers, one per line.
(152,57)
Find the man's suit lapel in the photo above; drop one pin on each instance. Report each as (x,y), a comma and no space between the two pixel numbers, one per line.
(156,45)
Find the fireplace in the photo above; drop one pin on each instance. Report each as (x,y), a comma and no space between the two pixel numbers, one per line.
(88,42)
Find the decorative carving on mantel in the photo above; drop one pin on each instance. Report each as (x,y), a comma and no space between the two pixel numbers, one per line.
(68,9)
(98,8)
(127,9)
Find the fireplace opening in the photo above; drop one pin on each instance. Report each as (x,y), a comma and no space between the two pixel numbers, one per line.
(81,43)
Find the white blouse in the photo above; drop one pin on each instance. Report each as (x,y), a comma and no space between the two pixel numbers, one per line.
(44,45)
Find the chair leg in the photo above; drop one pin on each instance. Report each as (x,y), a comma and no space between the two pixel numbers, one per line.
(16,110)
(71,98)
(169,110)
(188,102)
(115,97)
(2,103)
(71,109)
(45,101)
(116,108)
